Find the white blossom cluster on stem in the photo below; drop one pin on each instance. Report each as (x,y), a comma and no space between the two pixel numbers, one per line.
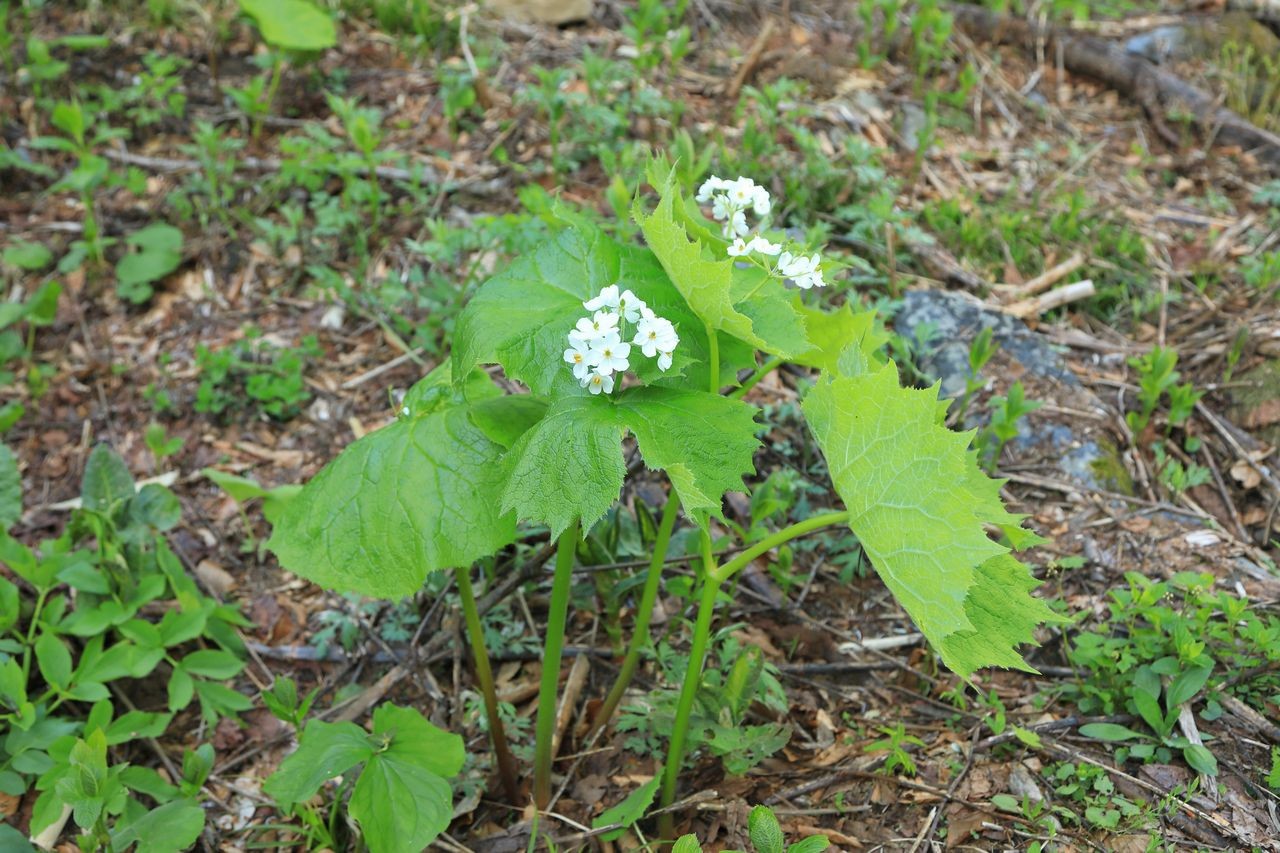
(599,351)
(730,200)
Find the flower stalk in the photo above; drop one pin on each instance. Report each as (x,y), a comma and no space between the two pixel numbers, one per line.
(566,548)
(484,675)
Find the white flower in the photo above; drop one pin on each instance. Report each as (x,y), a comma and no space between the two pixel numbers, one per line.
(742,192)
(631,306)
(598,382)
(722,208)
(578,354)
(598,325)
(608,354)
(760,202)
(655,335)
(737,225)
(738,248)
(803,271)
(608,298)
(664,360)
(763,246)
(710,186)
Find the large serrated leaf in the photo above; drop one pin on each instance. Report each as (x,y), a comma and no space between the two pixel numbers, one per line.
(419,495)
(569,466)
(919,509)
(705,442)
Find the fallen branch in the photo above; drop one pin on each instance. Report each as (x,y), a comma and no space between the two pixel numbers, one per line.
(1046,302)
(1151,86)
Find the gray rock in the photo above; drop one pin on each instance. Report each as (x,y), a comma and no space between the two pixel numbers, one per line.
(955,321)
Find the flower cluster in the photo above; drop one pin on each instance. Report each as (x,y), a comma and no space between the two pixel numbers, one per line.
(729,202)
(598,348)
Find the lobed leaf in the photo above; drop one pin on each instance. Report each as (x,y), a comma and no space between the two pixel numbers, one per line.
(417,496)
(569,466)
(919,506)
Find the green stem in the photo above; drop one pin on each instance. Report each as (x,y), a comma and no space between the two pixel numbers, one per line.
(689,688)
(554,646)
(640,633)
(783,536)
(714,578)
(484,675)
(713,356)
(272,86)
(754,379)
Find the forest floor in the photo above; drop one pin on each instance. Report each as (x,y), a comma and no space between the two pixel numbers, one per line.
(1156,526)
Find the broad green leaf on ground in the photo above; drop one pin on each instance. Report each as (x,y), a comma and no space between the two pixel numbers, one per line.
(166,829)
(25,255)
(708,284)
(844,343)
(292,24)
(10,488)
(764,830)
(630,810)
(569,466)
(106,480)
(705,442)
(243,489)
(419,495)
(402,800)
(159,253)
(324,751)
(918,509)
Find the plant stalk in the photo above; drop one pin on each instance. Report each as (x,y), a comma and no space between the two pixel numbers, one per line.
(484,675)
(713,358)
(689,688)
(566,547)
(640,633)
(714,578)
(754,379)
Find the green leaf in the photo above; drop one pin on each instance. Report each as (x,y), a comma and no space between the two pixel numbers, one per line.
(416,741)
(843,342)
(1201,759)
(1004,616)
(10,489)
(136,724)
(630,810)
(292,24)
(918,506)
(687,844)
(14,841)
(27,256)
(705,442)
(704,281)
(213,663)
(402,801)
(1110,732)
(569,466)
(171,827)
(1187,685)
(106,480)
(521,317)
(419,495)
(766,834)
(400,806)
(242,489)
(812,844)
(54,661)
(156,506)
(42,307)
(325,750)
